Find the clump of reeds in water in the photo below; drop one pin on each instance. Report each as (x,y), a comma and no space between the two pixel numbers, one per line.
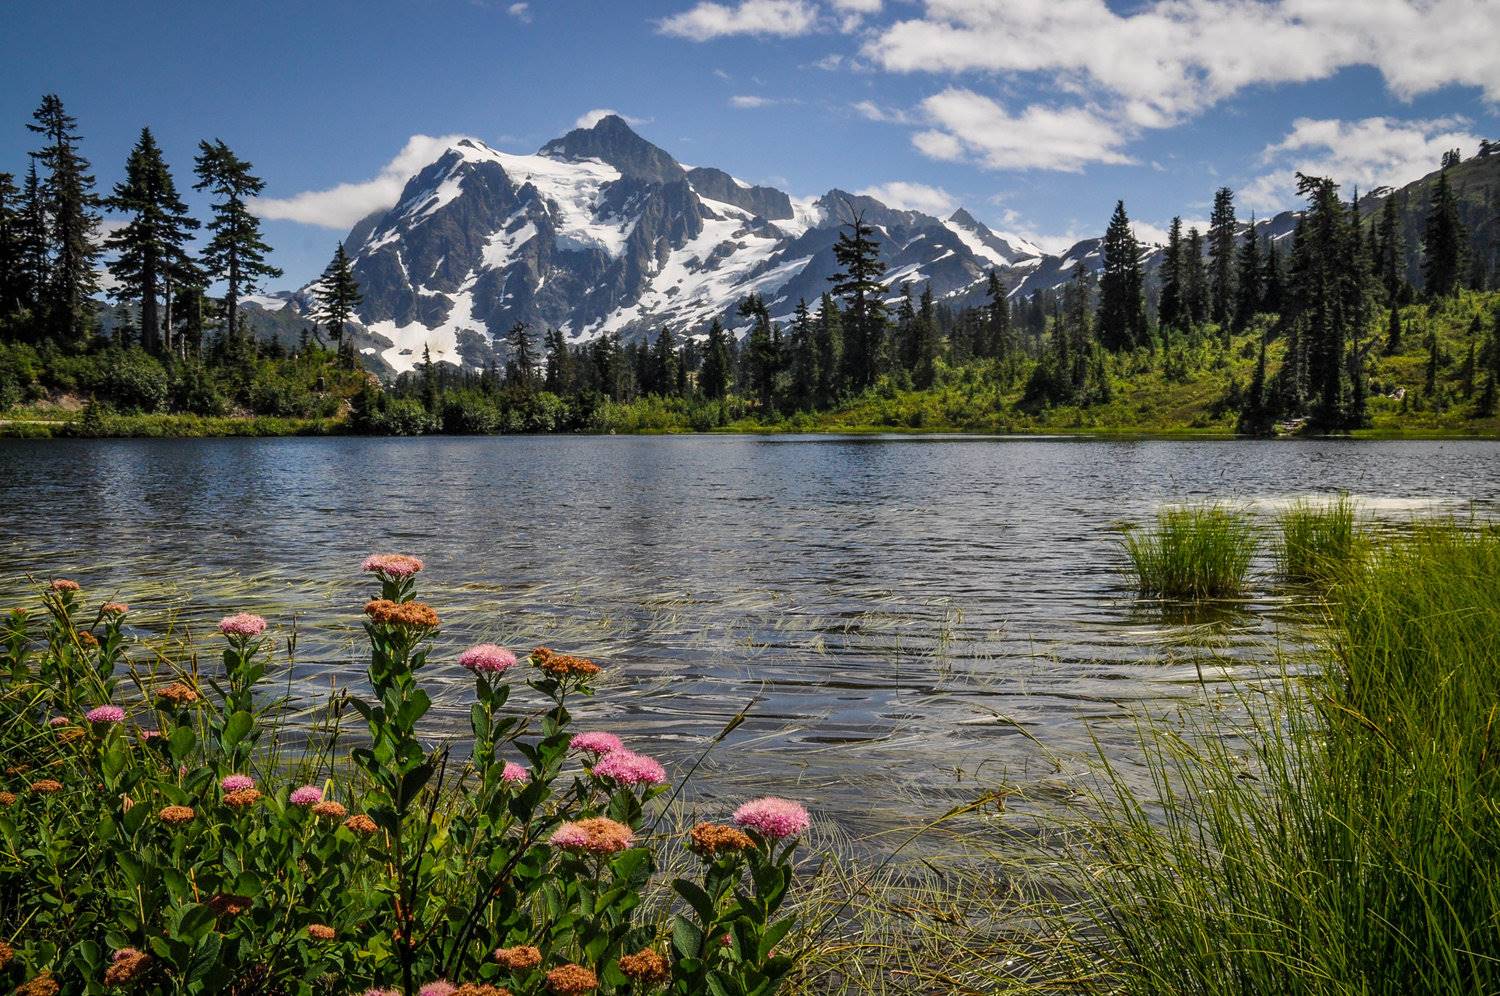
(1200,551)
(1318,540)
(1355,847)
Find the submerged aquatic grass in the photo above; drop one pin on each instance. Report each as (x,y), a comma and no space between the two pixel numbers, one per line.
(1318,540)
(1193,552)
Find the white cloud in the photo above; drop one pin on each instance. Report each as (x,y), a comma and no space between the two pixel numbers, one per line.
(871,111)
(751,101)
(829,62)
(520,11)
(912,197)
(708,20)
(858,6)
(1168,59)
(341,206)
(1367,153)
(968,125)
(591,118)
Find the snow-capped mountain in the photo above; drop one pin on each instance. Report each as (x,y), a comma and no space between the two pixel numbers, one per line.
(600,231)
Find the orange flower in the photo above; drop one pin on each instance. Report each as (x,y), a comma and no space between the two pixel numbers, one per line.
(6,954)
(7,798)
(330,808)
(360,823)
(128,963)
(414,614)
(87,640)
(114,608)
(647,967)
(568,979)
(321,932)
(521,958)
(173,815)
(228,904)
(709,840)
(42,985)
(563,665)
(46,786)
(480,989)
(177,694)
(65,584)
(242,798)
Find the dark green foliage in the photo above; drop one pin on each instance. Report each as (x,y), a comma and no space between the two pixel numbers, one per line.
(1170,307)
(1121,319)
(235,253)
(1195,281)
(1443,242)
(1221,242)
(714,381)
(863,310)
(68,203)
(337,295)
(1250,275)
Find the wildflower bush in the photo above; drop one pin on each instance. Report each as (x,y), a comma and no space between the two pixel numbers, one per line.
(153,841)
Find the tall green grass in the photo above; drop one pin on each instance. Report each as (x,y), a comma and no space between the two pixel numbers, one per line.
(1356,847)
(1318,540)
(1193,552)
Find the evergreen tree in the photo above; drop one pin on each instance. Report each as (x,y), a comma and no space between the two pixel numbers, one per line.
(830,348)
(1393,333)
(664,363)
(68,197)
(925,339)
(561,375)
(997,319)
(804,360)
(714,381)
(1434,363)
(1443,242)
(431,393)
(1122,307)
(12,269)
(36,272)
(1272,294)
(1489,398)
(1169,308)
(337,295)
(863,312)
(1257,417)
(520,364)
(763,352)
(1221,244)
(1249,286)
(151,248)
(1324,285)
(1390,254)
(236,253)
(1195,281)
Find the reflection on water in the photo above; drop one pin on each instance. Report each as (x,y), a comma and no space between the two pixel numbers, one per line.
(900,609)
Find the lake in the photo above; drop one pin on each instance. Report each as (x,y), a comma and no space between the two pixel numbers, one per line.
(911,616)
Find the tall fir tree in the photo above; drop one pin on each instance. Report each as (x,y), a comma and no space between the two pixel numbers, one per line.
(830,346)
(1443,242)
(151,248)
(35,265)
(925,341)
(1169,307)
(1258,416)
(337,295)
(1195,281)
(664,363)
(12,270)
(714,381)
(561,376)
(864,315)
(1390,254)
(520,363)
(803,348)
(1222,238)
(762,352)
(1122,307)
(236,252)
(73,222)
(1249,286)
(1322,281)
(997,339)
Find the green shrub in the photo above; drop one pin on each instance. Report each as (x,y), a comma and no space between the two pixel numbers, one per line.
(1318,540)
(1193,552)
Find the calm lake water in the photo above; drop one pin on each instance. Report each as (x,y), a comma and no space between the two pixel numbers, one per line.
(906,614)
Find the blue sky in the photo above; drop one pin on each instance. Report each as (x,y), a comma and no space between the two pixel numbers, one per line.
(1034,114)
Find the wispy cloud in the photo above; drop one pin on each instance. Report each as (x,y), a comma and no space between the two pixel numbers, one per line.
(520,11)
(591,118)
(911,196)
(752,101)
(341,206)
(708,20)
(970,127)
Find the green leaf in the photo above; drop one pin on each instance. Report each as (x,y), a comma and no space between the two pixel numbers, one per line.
(686,938)
(696,898)
(182,742)
(237,728)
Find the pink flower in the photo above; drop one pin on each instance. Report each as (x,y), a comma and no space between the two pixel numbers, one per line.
(392,565)
(242,624)
(596,743)
(307,795)
(380,992)
(56,721)
(487,658)
(236,783)
(629,768)
(772,817)
(438,988)
(105,714)
(514,773)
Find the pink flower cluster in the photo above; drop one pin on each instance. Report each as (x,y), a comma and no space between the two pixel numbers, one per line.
(487,658)
(630,768)
(236,783)
(307,795)
(773,818)
(392,565)
(596,743)
(242,624)
(438,988)
(105,714)
(514,774)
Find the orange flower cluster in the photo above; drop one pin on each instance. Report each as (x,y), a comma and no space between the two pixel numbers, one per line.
(330,808)
(563,665)
(646,967)
(42,985)
(177,694)
(321,932)
(128,964)
(521,958)
(174,815)
(46,786)
(7,799)
(709,840)
(480,989)
(65,584)
(87,640)
(360,823)
(568,979)
(242,798)
(416,614)
(228,904)
(6,954)
(114,608)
